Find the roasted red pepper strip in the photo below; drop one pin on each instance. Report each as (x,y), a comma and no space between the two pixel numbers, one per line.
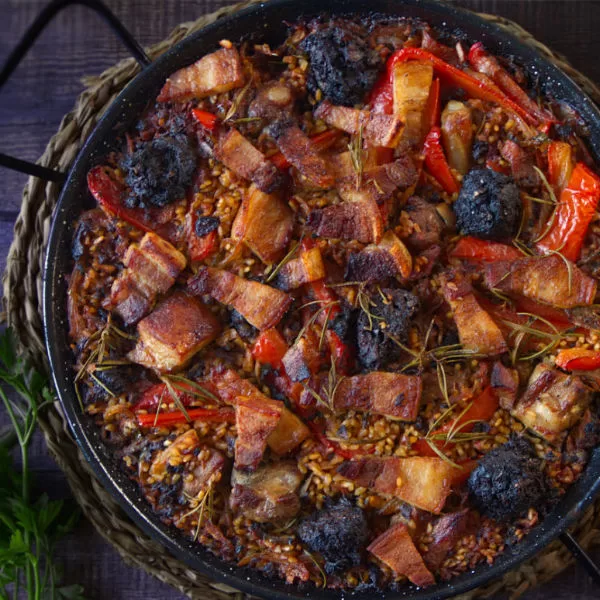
(474,87)
(270,348)
(578,359)
(436,162)
(560,165)
(220,415)
(556,316)
(334,446)
(206,119)
(484,63)
(202,247)
(474,249)
(482,409)
(321,292)
(432,109)
(109,195)
(574,213)
(321,141)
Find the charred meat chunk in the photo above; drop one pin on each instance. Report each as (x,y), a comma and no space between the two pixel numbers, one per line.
(342,66)
(159,172)
(508,481)
(375,347)
(243,328)
(338,532)
(488,205)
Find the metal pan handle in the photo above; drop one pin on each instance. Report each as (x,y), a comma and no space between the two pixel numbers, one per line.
(31,35)
(584,559)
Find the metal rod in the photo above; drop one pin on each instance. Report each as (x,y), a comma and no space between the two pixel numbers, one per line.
(581,556)
(31,35)
(49,12)
(24,166)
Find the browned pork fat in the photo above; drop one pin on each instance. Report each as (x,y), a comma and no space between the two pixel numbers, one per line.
(396,549)
(421,481)
(300,152)
(476,329)
(152,266)
(261,305)
(214,73)
(546,279)
(521,163)
(427,224)
(264,222)
(505,383)
(303,358)
(306,268)
(447,530)
(256,419)
(377,129)
(177,329)
(270,494)
(552,403)
(272,100)
(391,394)
(238,154)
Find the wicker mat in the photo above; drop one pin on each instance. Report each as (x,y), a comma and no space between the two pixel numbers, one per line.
(22,297)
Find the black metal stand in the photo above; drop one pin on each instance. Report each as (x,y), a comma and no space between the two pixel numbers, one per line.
(581,556)
(31,35)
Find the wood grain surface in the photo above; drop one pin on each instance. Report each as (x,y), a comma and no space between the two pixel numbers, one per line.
(44,88)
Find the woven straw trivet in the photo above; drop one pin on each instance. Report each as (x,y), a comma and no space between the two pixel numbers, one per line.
(22,298)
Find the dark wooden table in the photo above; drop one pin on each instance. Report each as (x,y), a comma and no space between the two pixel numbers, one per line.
(44,88)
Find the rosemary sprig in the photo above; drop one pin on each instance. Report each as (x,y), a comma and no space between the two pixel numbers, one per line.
(173,392)
(356,155)
(323,576)
(237,101)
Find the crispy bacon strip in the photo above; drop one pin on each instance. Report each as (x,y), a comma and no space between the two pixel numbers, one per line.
(238,154)
(421,481)
(378,129)
(261,305)
(391,394)
(173,333)
(545,279)
(300,152)
(264,222)
(214,73)
(476,329)
(152,266)
(396,549)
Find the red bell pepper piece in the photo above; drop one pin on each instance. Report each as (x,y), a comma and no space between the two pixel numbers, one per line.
(484,63)
(432,109)
(476,250)
(108,192)
(436,162)
(463,474)
(200,248)
(220,415)
(578,359)
(206,119)
(560,165)
(482,409)
(270,348)
(556,316)
(381,98)
(321,141)
(574,213)
(475,88)
(321,292)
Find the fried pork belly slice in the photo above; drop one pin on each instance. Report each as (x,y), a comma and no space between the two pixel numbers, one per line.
(269,494)
(204,469)
(391,394)
(548,279)
(303,358)
(300,152)
(238,154)
(421,481)
(152,266)
(306,268)
(261,305)
(377,262)
(505,383)
(396,549)
(214,73)
(447,530)
(552,403)
(290,430)
(378,129)
(411,84)
(256,418)
(476,329)
(264,222)
(177,329)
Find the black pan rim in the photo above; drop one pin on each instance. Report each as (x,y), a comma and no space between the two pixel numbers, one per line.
(133,504)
